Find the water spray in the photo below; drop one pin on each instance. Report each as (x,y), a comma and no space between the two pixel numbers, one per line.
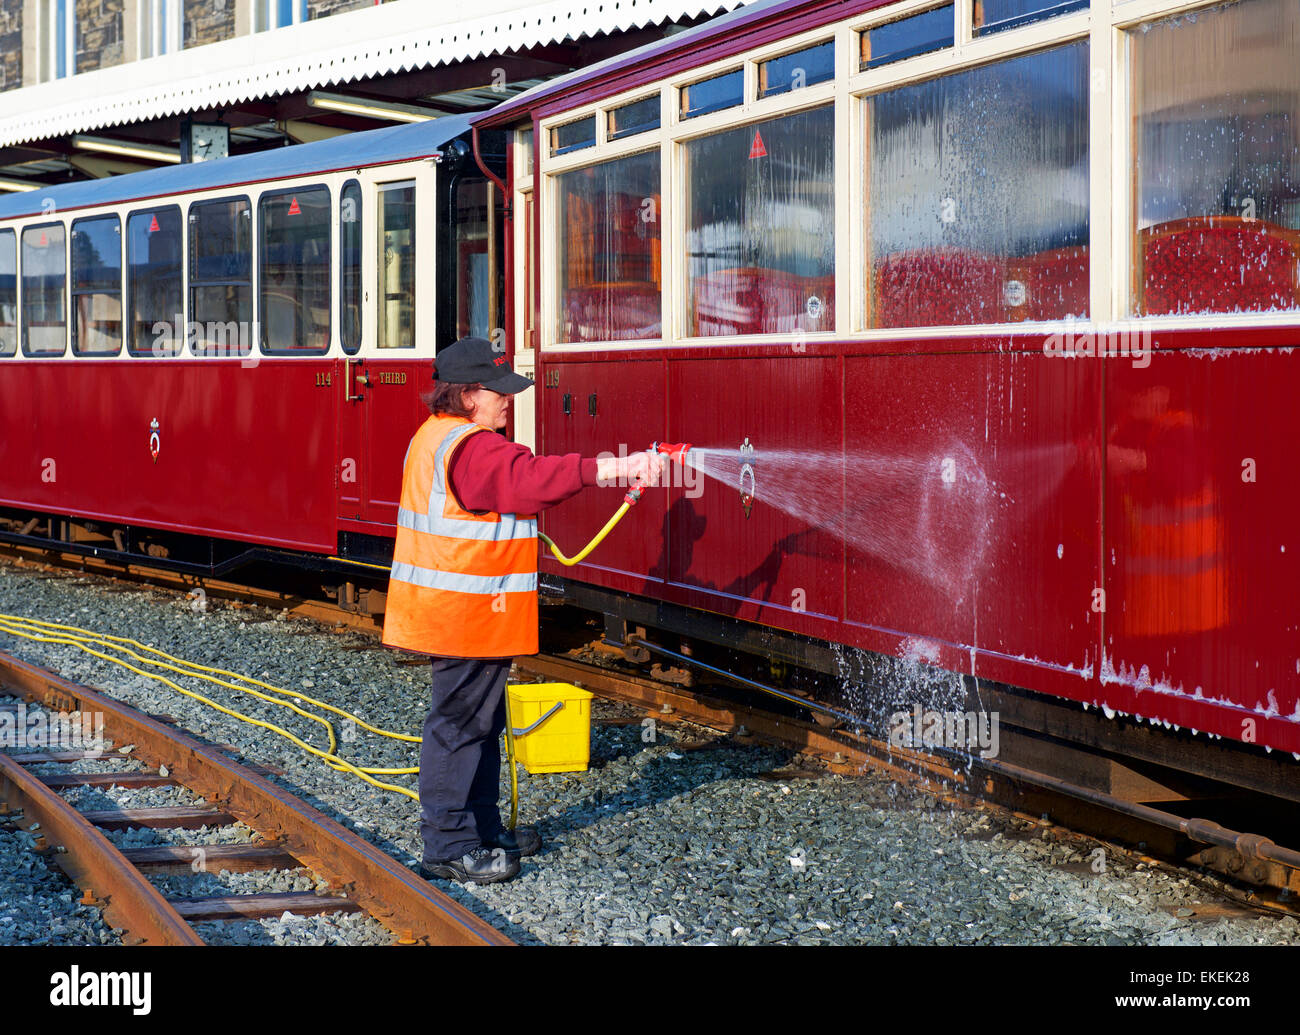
(674,451)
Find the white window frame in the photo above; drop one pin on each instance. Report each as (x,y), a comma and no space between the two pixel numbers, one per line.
(269,11)
(162,27)
(52,47)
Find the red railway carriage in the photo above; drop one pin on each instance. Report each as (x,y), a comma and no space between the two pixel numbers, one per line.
(992,306)
(214,362)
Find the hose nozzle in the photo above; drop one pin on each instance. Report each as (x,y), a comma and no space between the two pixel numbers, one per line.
(673,451)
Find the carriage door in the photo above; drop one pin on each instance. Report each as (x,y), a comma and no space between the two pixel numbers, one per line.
(385,244)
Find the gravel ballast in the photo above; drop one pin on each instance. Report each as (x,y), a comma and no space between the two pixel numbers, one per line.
(689,839)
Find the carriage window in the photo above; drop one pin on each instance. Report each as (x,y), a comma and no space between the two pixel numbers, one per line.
(1217,146)
(630,119)
(97,286)
(573,136)
(997,15)
(479,242)
(8,293)
(963,229)
(350,267)
(609,251)
(805,67)
(396,258)
(907,37)
(221,278)
(153,287)
(722,91)
(44,271)
(760,227)
(293,274)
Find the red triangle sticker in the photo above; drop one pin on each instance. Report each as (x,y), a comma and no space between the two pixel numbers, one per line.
(294,210)
(153,225)
(44,239)
(756,149)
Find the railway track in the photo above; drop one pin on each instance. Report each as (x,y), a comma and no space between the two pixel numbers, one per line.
(1125,802)
(1261,874)
(292,833)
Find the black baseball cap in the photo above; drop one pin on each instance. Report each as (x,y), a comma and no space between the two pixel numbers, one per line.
(476,361)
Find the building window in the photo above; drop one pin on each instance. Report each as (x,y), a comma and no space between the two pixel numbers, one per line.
(760,227)
(610,287)
(45,267)
(1216,129)
(161,27)
(58,30)
(153,285)
(977,194)
(97,286)
(276,14)
(294,271)
(395,227)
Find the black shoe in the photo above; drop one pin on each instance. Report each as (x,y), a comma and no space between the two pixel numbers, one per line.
(520,841)
(482,865)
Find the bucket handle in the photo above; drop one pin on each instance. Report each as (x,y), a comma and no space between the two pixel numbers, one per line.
(529,729)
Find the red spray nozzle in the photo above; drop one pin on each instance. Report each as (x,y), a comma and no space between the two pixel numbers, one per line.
(673,451)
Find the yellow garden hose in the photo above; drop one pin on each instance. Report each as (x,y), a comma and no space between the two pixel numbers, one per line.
(609,527)
(514,775)
(87,640)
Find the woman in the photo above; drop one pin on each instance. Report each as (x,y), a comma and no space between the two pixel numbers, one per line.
(464,590)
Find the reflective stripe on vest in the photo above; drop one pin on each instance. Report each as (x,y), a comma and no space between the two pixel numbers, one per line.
(462,584)
(485,584)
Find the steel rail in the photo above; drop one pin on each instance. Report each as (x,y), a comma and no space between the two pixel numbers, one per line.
(129,899)
(1203,831)
(396,896)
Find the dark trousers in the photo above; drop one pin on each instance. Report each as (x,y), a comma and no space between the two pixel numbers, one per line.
(460,758)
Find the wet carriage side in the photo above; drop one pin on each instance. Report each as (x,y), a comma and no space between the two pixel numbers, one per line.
(990,305)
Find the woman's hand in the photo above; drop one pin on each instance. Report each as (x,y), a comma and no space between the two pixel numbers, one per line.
(625,471)
(646,467)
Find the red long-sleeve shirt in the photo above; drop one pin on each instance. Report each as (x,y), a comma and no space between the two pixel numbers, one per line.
(489,472)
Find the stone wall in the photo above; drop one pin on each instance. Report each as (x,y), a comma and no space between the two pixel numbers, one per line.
(11,44)
(324,8)
(209,21)
(99,34)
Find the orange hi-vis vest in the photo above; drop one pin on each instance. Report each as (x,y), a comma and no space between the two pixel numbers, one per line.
(463,585)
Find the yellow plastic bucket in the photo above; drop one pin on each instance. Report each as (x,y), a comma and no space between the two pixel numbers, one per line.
(552,726)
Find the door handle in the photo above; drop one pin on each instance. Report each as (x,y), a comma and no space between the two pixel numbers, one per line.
(361,379)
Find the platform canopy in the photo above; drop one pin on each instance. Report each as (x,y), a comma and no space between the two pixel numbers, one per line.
(361,45)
